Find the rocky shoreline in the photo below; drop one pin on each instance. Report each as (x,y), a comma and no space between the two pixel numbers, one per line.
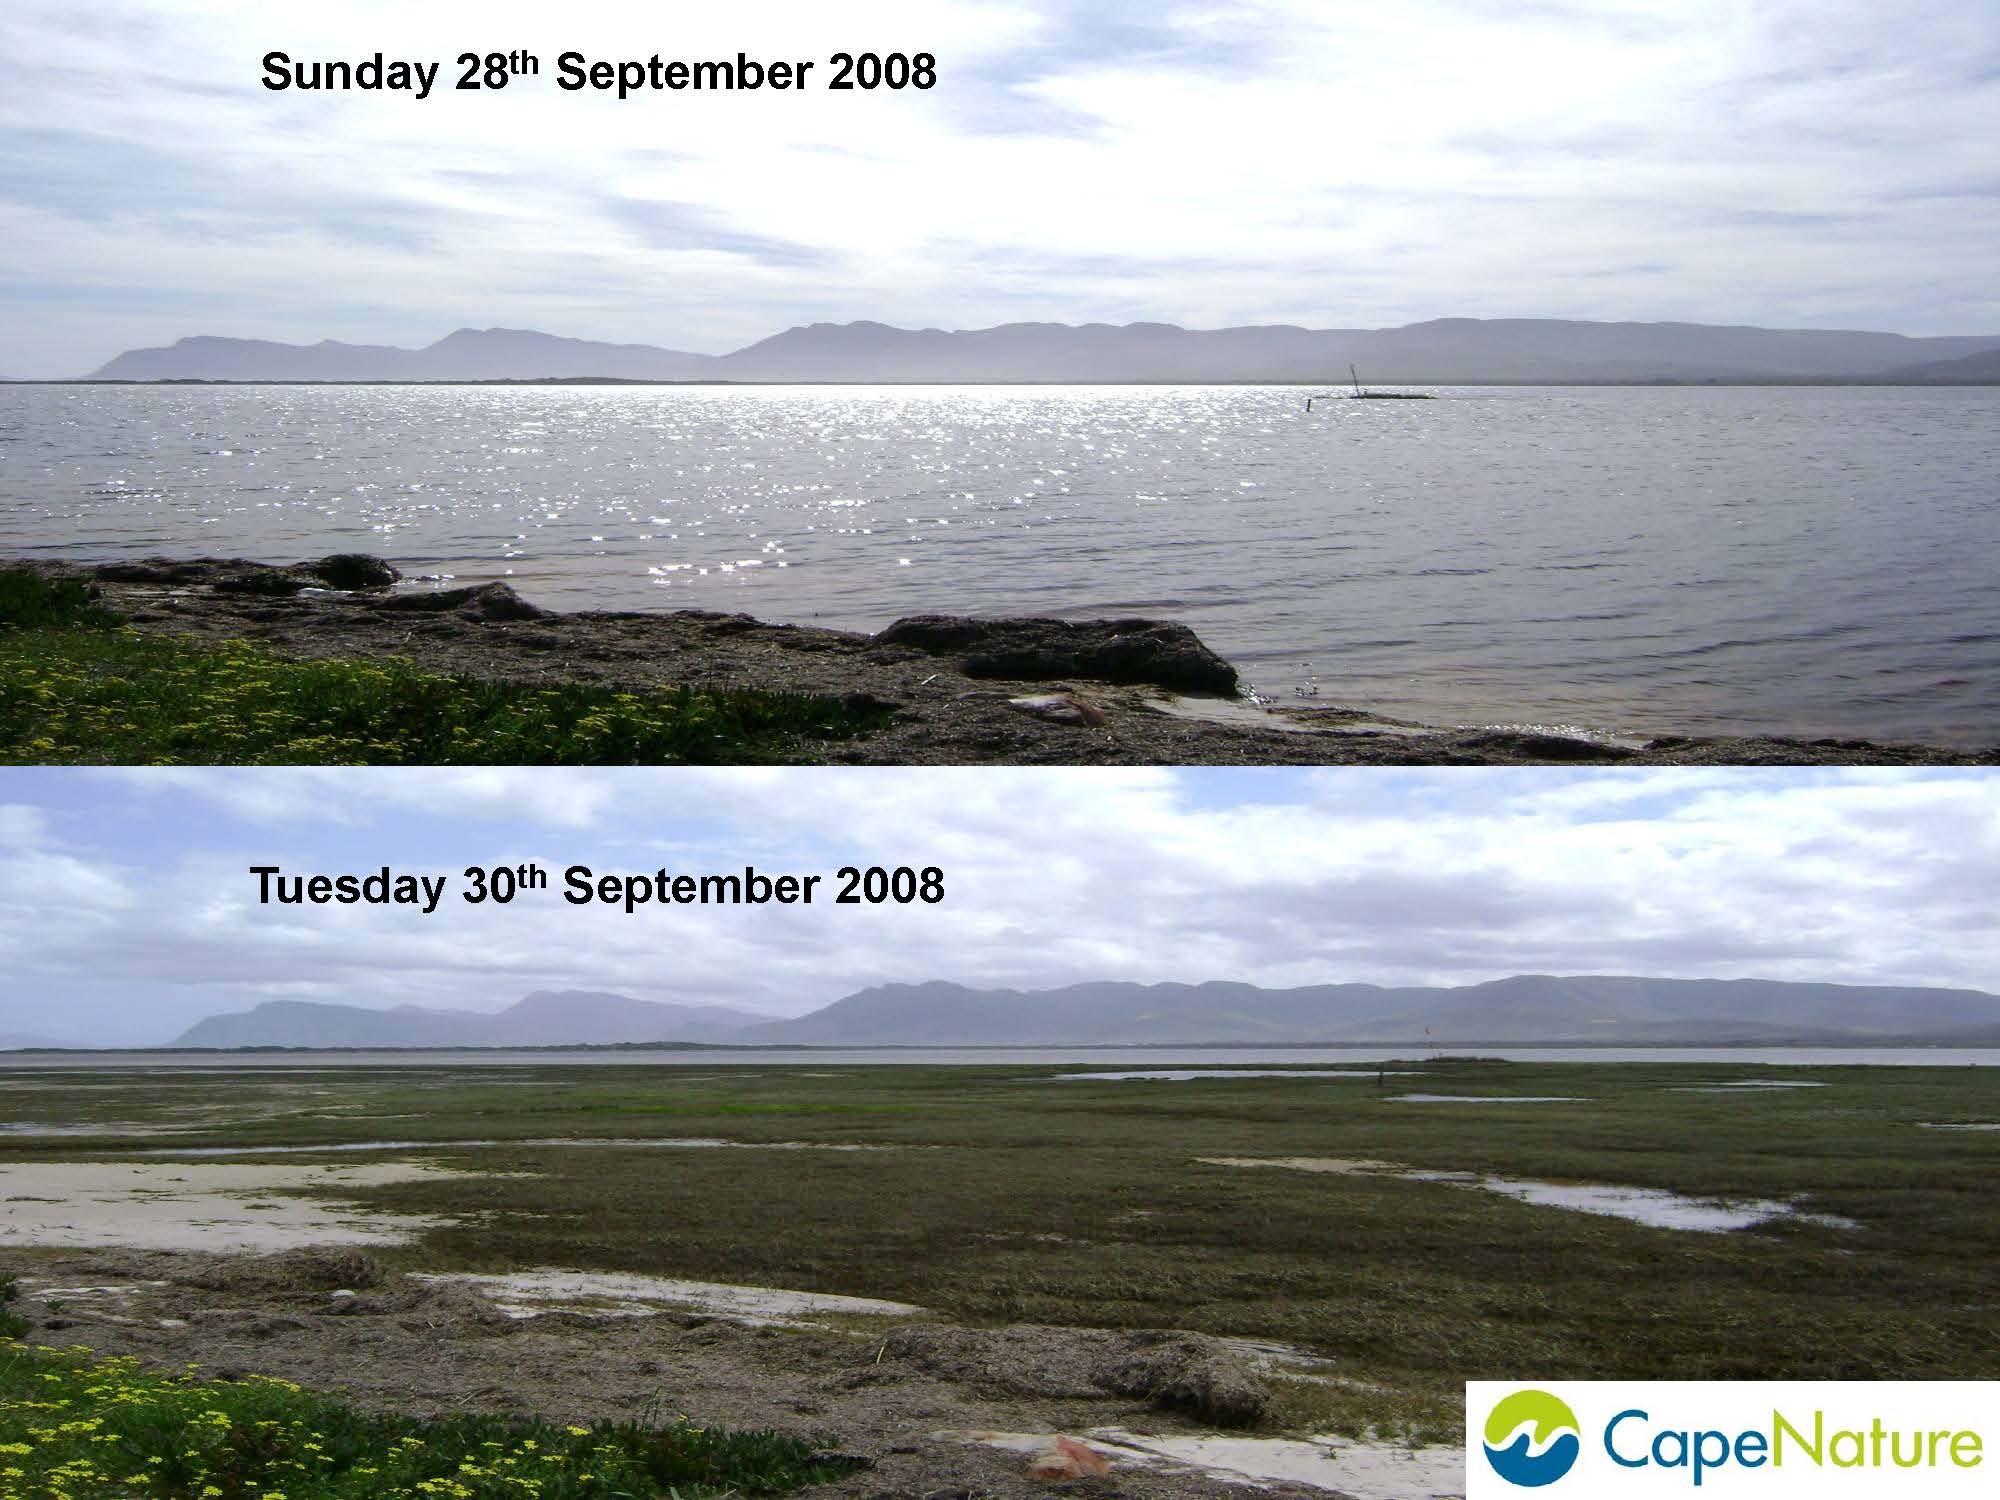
(961,691)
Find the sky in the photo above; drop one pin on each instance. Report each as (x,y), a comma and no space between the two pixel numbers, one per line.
(127,910)
(1807,163)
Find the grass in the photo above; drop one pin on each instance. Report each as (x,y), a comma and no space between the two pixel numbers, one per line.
(1019,1199)
(76,690)
(75,1426)
(28,601)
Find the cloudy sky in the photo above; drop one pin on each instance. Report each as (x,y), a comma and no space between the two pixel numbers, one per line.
(127,910)
(1822,163)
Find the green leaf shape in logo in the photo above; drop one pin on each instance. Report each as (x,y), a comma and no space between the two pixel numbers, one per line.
(1550,1414)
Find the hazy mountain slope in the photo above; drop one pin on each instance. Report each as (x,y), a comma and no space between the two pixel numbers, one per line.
(1525,1008)
(468,354)
(556,1017)
(543,1019)
(304,1023)
(1443,350)
(1439,351)
(204,358)
(521,354)
(1984,365)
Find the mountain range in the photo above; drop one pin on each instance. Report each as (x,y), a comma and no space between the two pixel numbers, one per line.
(1523,1010)
(547,1018)
(1443,351)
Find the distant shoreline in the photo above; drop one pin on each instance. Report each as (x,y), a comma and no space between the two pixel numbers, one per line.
(1803,381)
(1892,1044)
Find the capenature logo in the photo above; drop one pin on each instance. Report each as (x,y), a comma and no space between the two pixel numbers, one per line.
(1532,1438)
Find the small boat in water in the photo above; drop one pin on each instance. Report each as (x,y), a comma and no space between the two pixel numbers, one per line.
(1359,394)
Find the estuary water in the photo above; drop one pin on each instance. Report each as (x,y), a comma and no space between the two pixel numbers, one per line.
(1714,560)
(1150,1058)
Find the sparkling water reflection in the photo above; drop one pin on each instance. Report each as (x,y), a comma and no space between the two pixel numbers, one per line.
(1626,559)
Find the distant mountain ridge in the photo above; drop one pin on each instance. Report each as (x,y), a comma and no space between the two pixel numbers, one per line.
(547,1018)
(1441,351)
(468,354)
(1982,366)
(1526,1009)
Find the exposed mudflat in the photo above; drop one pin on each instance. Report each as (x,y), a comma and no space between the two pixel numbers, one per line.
(962,692)
(530,1294)
(163,1206)
(922,1402)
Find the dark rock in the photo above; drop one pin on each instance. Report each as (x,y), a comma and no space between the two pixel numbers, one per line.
(269,583)
(864,702)
(154,570)
(841,1458)
(726,625)
(486,601)
(1150,652)
(352,570)
(1534,745)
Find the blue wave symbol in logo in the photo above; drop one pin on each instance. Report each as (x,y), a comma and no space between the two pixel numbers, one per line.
(1532,1439)
(1517,1464)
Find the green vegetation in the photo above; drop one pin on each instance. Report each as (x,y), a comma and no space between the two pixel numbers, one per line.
(75,1426)
(29,601)
(1007,1196)
(12,1324)
(74,690)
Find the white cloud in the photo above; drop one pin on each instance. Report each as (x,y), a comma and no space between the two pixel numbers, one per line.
(1272,877)
(1787,163)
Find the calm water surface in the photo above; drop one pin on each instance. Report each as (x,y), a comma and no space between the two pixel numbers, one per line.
(1807,560)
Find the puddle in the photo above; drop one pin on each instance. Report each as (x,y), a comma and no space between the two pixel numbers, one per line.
(74,1205)
(1490,1098)
(528,1294)
(1361,1471)
(669,1142)
(1653,1207)
(1182,1075)
(1657,1207)
(1927,1125)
